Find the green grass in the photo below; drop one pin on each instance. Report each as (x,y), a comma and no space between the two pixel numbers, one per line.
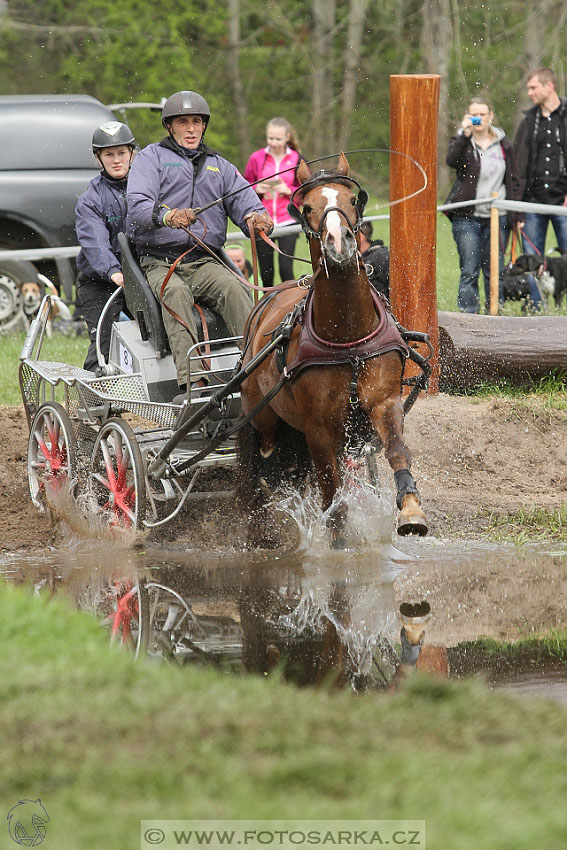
(106,742)
(527,525)
(60,348)
(528,654)
(550,392)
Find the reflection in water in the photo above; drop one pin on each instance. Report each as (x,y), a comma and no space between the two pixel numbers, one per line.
(312,613)
(312,616)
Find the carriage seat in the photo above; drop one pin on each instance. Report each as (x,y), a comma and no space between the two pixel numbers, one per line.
(145,307)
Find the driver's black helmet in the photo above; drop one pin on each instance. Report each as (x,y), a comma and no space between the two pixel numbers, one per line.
(184,103)
(111,134)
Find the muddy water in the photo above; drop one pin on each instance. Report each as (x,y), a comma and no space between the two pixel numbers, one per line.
(313,610)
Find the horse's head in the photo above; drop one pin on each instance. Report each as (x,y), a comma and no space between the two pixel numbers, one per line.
(331,212)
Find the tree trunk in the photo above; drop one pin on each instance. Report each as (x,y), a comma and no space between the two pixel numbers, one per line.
(476,349)
(323,101)
(238,96)
(436,43)
(351,65)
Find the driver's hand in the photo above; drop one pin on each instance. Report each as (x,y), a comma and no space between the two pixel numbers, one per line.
(258,223)
(180,218)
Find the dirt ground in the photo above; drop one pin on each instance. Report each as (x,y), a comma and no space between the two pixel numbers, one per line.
(470,456)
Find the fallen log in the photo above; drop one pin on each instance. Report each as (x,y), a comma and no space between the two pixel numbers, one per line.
(476,349)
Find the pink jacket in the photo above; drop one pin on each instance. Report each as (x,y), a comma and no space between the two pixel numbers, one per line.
(262,164)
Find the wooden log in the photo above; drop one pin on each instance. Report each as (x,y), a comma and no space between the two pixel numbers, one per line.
(476,349)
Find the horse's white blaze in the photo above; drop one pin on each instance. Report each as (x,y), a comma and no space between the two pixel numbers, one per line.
(333,220)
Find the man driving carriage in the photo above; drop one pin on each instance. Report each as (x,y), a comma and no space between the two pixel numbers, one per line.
(169,182)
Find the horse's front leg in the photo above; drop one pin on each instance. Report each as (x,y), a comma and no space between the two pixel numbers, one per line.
(388,422)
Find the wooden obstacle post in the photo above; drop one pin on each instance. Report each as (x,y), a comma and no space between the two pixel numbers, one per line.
(414,107)
(494,258)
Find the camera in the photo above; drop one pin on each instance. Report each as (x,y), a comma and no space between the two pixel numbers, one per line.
(476,121)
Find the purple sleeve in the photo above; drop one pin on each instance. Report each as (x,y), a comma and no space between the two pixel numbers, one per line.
(98,257)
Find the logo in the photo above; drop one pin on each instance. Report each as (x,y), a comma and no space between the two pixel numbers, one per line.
(212,168)
(26,823)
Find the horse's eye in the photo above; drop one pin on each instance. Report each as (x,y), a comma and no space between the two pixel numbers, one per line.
(307,209)
(353,201)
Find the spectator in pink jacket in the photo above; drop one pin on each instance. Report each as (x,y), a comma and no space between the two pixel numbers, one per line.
(280,153)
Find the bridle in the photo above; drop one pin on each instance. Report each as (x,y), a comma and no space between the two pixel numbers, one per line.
(321,179)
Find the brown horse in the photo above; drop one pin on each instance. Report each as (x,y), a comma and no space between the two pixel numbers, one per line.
(344,360)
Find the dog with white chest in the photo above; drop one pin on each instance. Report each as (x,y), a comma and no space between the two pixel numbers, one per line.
(550,272)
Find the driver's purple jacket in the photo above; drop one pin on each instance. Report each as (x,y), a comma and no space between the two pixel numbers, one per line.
(163,176)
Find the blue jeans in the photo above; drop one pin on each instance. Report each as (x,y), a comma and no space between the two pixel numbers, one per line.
(535,229)
(472,236)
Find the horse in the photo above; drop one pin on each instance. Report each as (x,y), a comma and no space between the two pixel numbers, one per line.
(340,369)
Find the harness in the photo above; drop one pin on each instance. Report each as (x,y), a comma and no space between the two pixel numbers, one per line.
(313,350)
(321,178)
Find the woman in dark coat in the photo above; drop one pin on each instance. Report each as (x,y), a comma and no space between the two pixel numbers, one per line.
(483,158)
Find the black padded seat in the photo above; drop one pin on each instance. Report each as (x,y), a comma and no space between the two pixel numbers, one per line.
(145,307)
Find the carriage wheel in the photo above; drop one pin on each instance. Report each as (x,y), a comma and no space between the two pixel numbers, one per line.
(52,453)
(117,476)
(129,621)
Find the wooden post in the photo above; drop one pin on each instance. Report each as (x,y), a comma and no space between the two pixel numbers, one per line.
(414,107)
(494,257)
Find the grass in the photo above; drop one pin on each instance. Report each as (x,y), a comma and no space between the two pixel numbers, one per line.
(106,742)
(550,392)
(527,525)
(60,349)
(533,653)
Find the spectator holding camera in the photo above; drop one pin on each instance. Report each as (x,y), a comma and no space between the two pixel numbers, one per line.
(277,162)
(483,159)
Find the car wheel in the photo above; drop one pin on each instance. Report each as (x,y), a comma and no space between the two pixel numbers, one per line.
(17,303)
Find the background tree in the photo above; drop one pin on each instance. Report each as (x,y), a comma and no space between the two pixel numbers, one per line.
(322,64)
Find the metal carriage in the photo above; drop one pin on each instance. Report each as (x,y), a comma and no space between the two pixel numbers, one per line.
(97,438)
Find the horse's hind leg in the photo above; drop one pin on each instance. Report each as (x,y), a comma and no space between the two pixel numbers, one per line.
(388,423)
(252,489)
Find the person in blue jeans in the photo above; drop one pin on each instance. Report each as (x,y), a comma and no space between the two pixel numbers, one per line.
(483,159)
(540,147)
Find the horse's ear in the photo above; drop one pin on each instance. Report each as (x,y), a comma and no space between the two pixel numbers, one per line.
(343,165)
(303,172)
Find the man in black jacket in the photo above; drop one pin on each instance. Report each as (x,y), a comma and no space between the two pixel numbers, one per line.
(541,153)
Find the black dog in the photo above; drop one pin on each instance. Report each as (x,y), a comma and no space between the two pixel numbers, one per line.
(516,287)
(550,272)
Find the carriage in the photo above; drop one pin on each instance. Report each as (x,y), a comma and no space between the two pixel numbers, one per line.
(118,446)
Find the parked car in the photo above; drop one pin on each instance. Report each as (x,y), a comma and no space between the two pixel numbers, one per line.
(46,162)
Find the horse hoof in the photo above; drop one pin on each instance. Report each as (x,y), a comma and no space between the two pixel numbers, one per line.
(339,543)
(412,520)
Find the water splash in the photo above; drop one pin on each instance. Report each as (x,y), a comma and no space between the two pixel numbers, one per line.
(84,518)
(370,513)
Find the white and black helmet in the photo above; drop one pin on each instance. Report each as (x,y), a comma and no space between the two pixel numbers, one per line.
(112,134)
(184,103)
